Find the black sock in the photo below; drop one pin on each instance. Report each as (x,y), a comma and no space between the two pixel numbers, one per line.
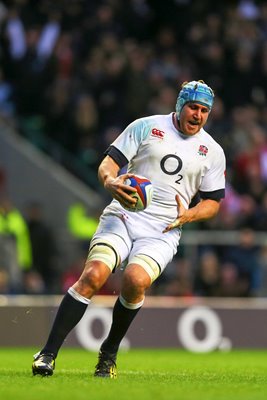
(122,319)
(69,314)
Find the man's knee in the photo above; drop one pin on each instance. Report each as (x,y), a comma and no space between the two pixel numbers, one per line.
(135,279)
(94,274)
(140,273)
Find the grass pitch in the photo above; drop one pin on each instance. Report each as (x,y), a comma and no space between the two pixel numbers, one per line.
(142,375)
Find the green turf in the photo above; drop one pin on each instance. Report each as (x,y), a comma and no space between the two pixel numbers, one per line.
(142,375)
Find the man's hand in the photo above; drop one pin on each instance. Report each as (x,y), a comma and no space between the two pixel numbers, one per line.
(108,175)
(181,216)
(120,191)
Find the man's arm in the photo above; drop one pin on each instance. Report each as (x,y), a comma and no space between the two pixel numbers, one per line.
(108,175)
(108,171)
(204,210)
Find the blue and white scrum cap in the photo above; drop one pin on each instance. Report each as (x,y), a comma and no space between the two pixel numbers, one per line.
(194,91)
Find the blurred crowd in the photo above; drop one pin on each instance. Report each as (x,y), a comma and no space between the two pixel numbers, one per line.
(76,72)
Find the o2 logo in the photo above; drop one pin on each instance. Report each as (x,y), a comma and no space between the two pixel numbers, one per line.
(185,330)
(172,159)
(213,330)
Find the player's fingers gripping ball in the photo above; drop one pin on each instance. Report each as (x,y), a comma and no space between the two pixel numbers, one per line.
(143,194)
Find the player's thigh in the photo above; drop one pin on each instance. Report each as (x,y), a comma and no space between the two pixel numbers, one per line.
(153,255)
(112,233)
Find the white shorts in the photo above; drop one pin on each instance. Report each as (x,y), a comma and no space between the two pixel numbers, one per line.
(131,234)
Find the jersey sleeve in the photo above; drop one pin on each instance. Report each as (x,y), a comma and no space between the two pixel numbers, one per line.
(117,156)
(213,183)
(129,140)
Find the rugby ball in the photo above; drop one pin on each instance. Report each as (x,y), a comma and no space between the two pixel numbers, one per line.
(143,194)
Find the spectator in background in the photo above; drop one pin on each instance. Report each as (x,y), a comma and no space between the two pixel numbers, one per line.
(57,113)
(207,275)
(232,283)
(110,91)
(44,277)
(7,108)
(138,88)
(49,35)
(220,124)
(245,259)
(15,233)
(163,101)
(83,127)
(250,166)
(81,225)
(15,34)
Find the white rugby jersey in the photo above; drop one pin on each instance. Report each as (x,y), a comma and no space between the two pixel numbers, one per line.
(175,163)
